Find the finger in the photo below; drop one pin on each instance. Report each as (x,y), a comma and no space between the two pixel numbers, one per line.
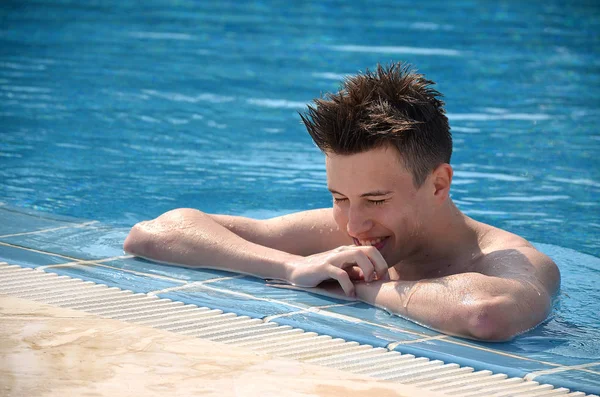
(379,264)
(363,262)
(342,277)
(355,273)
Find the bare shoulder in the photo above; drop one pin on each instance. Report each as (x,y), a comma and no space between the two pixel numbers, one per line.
(302,233)
(507,255)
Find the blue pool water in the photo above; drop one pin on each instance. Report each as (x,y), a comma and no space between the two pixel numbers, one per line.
(118,111)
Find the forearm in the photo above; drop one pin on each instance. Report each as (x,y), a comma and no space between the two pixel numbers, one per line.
(464,305)
(192,238)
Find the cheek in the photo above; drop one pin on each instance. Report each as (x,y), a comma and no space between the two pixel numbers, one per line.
(339,216)
(398,221)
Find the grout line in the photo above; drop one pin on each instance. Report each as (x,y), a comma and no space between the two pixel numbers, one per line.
(244,295)
(350,319)
(83,262)
(157,276)
(336,305)
(533,375)
(77,225)
(214,280)
(191,285)
(39,214)
(393,345)
(276,316)
(38,251)
(312,309)
(395,329)
(171,289)
(591,371)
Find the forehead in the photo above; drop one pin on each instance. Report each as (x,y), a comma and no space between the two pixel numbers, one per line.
(379,168)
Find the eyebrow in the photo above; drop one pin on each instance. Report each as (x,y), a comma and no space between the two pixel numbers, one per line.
(374,193)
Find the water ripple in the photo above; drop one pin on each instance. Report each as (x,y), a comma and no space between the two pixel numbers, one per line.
(430,26)
(466,130)
(396,50)
(331,76)
(529,198)
(161,36)
(15,88)
(277,103)
(490,175)
(507,116)
(21,66)
(177,97)
(71,146)
(583,182)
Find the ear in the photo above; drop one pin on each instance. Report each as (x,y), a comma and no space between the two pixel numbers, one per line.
(442,179)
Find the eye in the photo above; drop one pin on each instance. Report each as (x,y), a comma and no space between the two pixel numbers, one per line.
(377,202)
(339,200)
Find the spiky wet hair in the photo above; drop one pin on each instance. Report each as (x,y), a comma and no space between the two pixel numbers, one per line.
(392,106)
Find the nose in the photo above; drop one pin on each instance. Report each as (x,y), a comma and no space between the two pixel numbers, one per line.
(358,222)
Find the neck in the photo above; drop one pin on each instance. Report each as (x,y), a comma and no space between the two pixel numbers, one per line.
(443,241)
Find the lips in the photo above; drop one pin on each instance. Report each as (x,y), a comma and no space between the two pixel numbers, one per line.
(378,242)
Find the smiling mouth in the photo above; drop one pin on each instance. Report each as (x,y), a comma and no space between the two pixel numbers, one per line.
(374,242)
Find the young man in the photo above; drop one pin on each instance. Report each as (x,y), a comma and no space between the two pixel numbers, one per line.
(393,238)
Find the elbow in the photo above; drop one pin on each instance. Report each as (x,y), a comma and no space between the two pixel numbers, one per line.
(139,241)
(493,320)
(155,239)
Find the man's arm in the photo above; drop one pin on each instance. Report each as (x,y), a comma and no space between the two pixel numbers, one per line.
(514,296)
(301,233)
(275,249)
(192,238)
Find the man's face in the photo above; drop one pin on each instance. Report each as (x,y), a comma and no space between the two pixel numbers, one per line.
(375,201)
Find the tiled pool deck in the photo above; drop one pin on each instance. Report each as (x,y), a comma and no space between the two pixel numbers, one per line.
(91,251)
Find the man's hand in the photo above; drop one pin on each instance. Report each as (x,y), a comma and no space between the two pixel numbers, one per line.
(343,264)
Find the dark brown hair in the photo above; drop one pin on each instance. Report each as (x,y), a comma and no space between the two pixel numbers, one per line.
(391,106)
